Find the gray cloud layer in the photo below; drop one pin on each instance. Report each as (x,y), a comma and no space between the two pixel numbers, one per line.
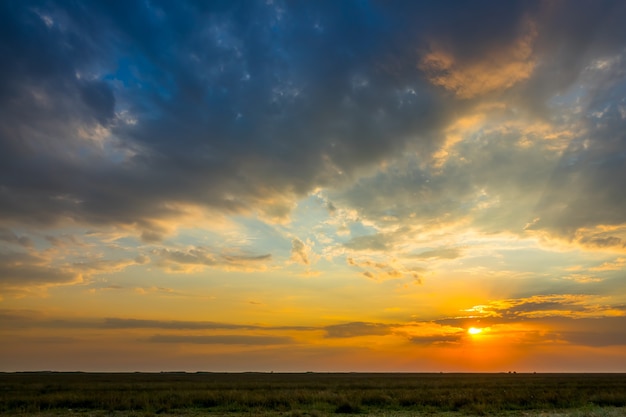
(200,106)
(220,106)
(222,340)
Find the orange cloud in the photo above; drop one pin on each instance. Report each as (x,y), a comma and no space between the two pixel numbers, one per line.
(574,306)
(617,265)
(498,70)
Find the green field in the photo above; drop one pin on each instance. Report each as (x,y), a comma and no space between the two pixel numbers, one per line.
(311,394)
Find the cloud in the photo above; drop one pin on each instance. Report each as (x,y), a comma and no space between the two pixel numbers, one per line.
(487,181)
(116,125)
(442,253)
(8,236)
(546,147)
(474,141)
(33,268)
(582,278)
(101,266)
(498,69)
(119,323)
(52,340)
(570,306)
(24,270)
(553,319)
(300,251)
(222,340)
(616,265)
(124,127)
(33,319)
(430,332)
(602,242)
(582,194)
(356,329)
(615,337)
(18,317)
(197,258)
(381,271)
(377,242)
(64,240)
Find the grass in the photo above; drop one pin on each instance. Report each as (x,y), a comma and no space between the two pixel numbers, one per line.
(311,394)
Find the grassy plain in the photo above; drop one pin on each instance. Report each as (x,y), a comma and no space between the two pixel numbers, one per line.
(311,394)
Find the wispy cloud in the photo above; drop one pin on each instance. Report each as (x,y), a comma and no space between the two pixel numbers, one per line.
(222,340)
(357,329)
(194,259)
(555,305)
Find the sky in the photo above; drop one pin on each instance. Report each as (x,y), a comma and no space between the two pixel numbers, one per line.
(358,185)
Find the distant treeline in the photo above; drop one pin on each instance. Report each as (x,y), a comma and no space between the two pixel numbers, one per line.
(300,393)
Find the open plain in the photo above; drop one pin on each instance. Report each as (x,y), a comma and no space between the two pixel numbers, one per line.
(311,394)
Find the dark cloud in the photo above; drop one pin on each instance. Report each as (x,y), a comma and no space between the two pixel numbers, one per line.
(590,68)
(118,323)
(615,337)
(602,242)
(23,270)
(125,114)
(64,240)
(8,236)
(8,316)
(356,329)
(471,31)
(52,340)
(97,95)
(178,260)
(593,332)
(570,37)
(17,319)
(508,170)
(583,189)
(223,340)
(113,113)
(544,306)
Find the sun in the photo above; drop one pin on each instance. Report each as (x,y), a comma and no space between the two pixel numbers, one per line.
(474,330)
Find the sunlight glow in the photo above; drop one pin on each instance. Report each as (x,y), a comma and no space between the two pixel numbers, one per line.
(474,330)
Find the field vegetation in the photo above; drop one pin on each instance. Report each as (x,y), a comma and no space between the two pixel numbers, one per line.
(311,394)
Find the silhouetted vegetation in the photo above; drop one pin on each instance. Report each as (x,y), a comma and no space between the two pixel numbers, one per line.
(308,394)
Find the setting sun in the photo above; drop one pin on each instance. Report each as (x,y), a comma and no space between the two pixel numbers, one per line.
(474,330)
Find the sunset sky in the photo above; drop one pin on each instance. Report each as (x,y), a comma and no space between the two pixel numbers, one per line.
(313,185)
